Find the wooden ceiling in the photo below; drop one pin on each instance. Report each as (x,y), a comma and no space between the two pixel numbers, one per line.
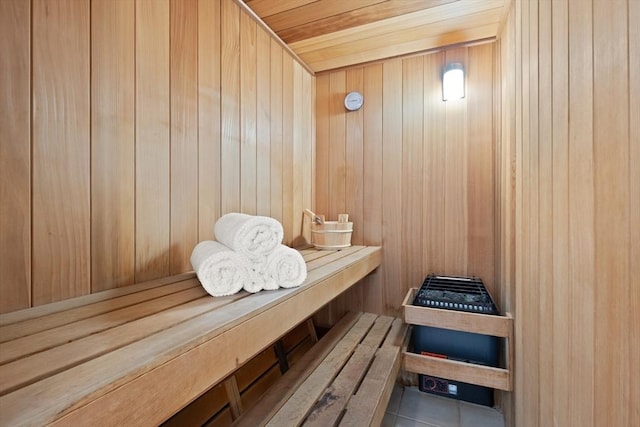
(329,34)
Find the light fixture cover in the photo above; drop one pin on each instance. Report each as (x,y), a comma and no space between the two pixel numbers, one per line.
(453,81)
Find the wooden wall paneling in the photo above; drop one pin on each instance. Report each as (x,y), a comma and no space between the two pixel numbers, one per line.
(561,177)
(581,214)
(412,170)
(129,110)
(263,127)
(612,220)
(480,179)
(392,183)
(230,106)
(322,317)
(337,146)
(416,166)
(500,158)
(528,257)
(456,185)
(184,133)
(60,149)
(112,144)
(276,131)
(323,171)
(354,175)
(337,166)
(152,140)
(248,108)
(323,88)
(503,399)
(373,291)
(15,155)
(209,153)
(574,102)
(545,206)
(520,382)
(498,129)
(300,167)
(434,174)
(509,177)
(531,157)
(321,199)
(287,148)
(307,147)
(504,110)
(634,208)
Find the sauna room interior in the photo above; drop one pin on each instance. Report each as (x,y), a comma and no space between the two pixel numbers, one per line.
(129,127)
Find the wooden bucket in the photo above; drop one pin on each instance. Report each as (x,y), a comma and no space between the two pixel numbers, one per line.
(330,235)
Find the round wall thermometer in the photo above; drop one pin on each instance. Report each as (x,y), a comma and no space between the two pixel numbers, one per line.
(353,101)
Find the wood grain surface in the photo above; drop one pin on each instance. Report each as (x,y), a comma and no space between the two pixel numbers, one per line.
(184,132)
(124,139)
(153,150)
(112,144)
(575,197)
(431,173)
(15,156)
(168,333)
(61,145)
(329,34)
(209,117)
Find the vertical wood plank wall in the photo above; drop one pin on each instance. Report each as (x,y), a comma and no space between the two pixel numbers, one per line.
(15,156)
(128,128)
(60,107)
(570,73)
(414,173)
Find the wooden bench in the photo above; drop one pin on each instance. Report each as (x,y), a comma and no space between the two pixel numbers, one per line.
(138,354)
(345,379)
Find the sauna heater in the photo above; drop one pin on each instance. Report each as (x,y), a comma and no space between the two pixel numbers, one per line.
(462,294)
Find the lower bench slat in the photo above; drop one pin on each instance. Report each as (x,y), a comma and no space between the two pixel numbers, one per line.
(297,406)
(364,408)
(328,410)
(365,361)
(286,386)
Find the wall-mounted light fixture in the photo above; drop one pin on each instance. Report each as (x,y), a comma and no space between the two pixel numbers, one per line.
(453,81)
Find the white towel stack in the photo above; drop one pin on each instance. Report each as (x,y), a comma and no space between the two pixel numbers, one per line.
(220,270)
(255,237)
(249,255)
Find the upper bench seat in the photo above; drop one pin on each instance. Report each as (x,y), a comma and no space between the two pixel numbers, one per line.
(138,354)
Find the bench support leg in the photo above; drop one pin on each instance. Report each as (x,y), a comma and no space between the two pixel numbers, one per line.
(231,386)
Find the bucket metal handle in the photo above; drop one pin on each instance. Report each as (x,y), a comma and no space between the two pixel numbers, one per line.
(318,219)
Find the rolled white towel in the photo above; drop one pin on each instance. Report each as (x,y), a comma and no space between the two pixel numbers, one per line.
(286,267)
(220,270)
(253,236)
(258,273)
(258,280)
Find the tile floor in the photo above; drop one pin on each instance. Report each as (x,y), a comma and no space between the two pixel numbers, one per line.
(409,407)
